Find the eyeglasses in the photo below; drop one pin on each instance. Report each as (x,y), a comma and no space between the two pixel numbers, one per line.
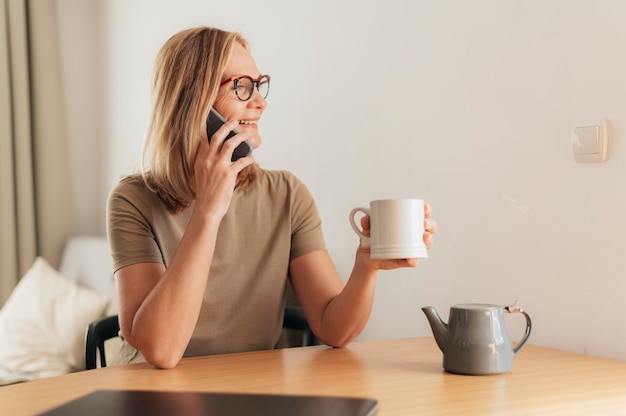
(244,86)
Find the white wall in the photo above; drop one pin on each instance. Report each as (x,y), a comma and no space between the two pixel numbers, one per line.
(466,104)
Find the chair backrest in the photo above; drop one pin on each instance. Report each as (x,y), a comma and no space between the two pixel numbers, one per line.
(294,319)
(106,328)
(97,332)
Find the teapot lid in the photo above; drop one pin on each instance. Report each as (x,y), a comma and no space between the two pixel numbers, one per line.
(477,306)
(486,306)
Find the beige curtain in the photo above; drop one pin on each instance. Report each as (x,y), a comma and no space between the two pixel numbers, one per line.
(35,189)
(53,180)
(17,209)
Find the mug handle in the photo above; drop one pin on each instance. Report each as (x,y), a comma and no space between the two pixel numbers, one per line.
(365,240)
(517,309)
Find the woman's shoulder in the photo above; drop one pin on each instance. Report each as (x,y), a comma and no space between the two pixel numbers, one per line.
(133,189)
(275,177)
(130,184)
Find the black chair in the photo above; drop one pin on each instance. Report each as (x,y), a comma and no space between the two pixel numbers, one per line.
(108,327)
(97,332)
(294,319)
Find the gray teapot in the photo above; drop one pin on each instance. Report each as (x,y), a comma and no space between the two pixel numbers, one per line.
(475,340)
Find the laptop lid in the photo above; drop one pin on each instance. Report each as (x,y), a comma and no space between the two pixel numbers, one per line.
(161,403)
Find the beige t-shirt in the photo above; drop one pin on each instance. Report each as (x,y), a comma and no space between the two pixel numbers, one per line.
(265,227)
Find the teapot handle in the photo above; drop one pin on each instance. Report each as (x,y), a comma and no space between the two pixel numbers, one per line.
(516,309)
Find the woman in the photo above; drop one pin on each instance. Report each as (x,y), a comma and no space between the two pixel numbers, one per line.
(203,246)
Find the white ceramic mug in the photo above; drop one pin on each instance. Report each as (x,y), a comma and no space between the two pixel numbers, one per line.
(396,228)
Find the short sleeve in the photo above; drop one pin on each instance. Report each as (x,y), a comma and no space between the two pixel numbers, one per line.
(307,235)
(129,229)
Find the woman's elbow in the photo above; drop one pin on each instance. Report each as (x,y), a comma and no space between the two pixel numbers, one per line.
(160,358)
(337,341)
(156,353)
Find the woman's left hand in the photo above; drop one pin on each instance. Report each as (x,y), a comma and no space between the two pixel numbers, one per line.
(363,253)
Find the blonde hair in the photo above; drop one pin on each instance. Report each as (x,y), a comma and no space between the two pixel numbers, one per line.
(185,82)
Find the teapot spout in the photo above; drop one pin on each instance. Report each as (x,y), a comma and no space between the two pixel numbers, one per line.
(438,326)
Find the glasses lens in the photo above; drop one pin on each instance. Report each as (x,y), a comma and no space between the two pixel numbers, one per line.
(243,88)
(264,86)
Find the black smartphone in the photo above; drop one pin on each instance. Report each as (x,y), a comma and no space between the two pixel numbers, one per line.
(213,122)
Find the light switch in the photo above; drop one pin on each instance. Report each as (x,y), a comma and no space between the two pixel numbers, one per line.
(578,141)
(590,142)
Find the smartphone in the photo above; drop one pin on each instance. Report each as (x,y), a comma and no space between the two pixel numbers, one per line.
(213,122)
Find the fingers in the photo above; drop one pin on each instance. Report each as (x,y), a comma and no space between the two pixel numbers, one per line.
(430,226)
(397,263)
(223,147)
(212,165)
(428,240)
(365,224)
(363,254)
(407,262)
(219,137)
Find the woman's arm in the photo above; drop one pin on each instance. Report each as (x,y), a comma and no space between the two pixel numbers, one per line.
(159,307)
(336,313)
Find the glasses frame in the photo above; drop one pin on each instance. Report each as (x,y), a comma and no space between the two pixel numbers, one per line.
(255,82)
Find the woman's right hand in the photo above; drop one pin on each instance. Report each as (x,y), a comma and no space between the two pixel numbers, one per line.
(215,175)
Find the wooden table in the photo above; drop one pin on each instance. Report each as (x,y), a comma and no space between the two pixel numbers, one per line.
(405,375)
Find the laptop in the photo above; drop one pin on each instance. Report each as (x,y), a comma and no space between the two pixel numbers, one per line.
(162,403)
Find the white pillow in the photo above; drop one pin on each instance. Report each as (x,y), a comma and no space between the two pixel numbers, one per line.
(43,323)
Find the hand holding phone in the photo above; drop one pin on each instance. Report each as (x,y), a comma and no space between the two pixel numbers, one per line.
(213,122)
